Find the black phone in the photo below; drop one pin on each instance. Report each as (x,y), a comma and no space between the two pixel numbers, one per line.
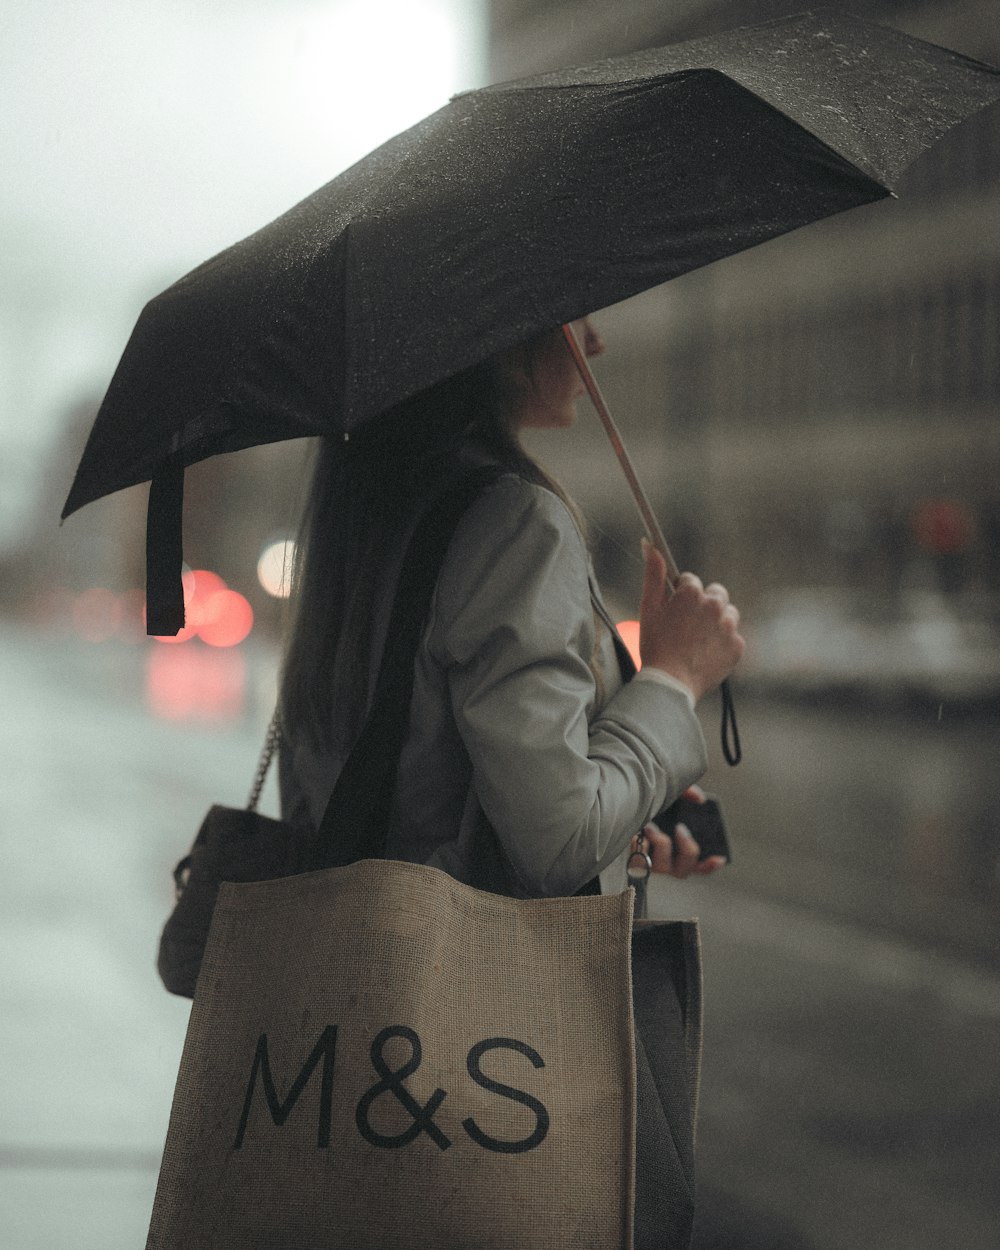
(708,828)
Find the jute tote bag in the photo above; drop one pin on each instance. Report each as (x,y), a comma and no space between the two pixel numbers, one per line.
(381,1057)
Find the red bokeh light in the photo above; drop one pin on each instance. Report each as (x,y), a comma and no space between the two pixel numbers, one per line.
(629,631)
(943,526)
(199,586)
(226,619)
(182,636)
(195,684)
(212,612)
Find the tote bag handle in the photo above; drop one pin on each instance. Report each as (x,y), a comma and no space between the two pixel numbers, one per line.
(356,820)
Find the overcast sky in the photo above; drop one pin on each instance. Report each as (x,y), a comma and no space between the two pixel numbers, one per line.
(141,136)
(163,128)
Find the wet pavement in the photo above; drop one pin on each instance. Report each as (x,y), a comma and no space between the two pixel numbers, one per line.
(851,1090)
(850,1094)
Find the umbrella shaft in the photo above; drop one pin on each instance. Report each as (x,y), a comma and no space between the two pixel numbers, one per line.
(649,521)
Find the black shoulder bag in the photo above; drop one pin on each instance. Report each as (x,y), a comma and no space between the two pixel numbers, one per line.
(239,844)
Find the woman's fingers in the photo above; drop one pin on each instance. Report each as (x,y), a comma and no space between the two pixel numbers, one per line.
(659,848)
(685,852)
(677,857)
(710,865)
(694,634)
(718,592)
(654,579)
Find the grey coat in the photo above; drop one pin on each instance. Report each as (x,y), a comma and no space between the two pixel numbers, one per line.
(517,776)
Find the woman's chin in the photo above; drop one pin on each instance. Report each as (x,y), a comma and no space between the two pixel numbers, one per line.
(552,419)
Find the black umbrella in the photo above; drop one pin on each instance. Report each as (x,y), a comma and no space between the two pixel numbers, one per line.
(512,209)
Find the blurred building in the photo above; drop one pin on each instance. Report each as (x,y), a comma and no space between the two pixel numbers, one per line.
(234,506)
(58,343)
(820,410)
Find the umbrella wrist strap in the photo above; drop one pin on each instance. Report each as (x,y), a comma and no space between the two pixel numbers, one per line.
(164,552)
(731,749)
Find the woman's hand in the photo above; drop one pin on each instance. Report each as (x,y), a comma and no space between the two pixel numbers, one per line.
(692,634)
(678,857)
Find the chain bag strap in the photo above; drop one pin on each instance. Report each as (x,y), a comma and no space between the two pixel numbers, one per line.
(240,845)
(272,741)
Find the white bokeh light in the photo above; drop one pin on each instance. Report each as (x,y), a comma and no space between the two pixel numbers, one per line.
(274,568)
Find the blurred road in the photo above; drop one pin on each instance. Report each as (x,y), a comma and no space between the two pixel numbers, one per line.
(851,1094)
(100,797)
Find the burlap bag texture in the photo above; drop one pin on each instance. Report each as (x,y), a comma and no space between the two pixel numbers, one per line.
(381,1057)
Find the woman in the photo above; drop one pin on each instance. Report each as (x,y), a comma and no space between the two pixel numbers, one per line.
(529,763)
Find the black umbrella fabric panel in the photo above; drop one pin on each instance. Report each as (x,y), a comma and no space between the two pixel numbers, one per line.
(535,208)
(249,347)
(500,215)
(513,209)
(875,95)
(240,352)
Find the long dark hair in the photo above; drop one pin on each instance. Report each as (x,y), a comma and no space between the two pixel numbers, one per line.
(366,492)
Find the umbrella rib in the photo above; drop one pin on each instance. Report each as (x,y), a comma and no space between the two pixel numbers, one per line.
(652,526)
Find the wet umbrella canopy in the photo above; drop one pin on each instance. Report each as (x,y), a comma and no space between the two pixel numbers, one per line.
(512,209)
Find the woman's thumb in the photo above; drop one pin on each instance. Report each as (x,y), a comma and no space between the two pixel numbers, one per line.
(654,578)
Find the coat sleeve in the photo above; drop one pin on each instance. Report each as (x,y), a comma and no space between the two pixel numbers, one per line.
(563,783)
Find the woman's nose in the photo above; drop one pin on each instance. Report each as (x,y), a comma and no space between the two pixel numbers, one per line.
(593,344)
